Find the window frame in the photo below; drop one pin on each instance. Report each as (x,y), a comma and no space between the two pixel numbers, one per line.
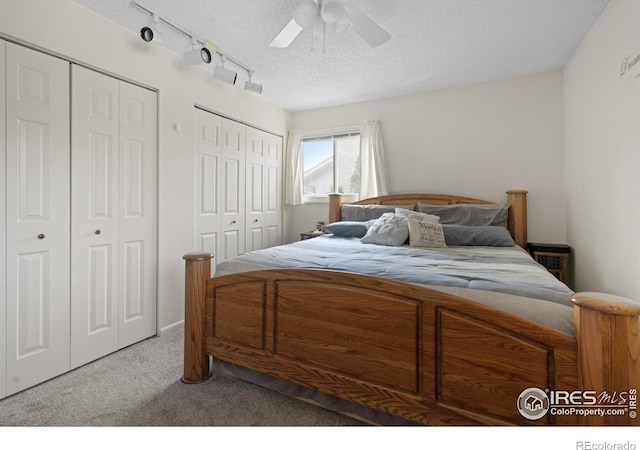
(325,135)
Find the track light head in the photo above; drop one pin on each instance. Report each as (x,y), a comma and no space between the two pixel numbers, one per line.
(151,34)
(200,55)
(251,86)
(226,75)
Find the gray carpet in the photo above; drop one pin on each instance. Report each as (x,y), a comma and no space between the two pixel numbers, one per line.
(140,386)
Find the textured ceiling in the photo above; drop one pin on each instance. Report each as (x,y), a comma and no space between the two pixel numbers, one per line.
(434,43)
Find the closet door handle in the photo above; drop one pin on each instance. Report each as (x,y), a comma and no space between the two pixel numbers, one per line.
(97,231)
(232,222)
(41,236)
(255,220)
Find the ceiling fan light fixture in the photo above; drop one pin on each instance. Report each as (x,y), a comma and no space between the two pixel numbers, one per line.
(339,15)
(332,12)
(342,24)
(305,13)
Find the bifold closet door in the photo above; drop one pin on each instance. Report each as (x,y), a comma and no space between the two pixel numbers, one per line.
(264,182)
(232,214)
(37,222)
(208,152)
(113,226)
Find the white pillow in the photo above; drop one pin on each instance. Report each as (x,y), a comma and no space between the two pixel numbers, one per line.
(389,229)
(424,217)
(425,234)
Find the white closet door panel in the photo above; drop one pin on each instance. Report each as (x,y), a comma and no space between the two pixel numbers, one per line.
(137,214)
(234,137)
(264,159)
(232,220)
(3,241)
(232,243)
(94,224)
(273,188)
(37,222)
(207,179)
(274,235)
(255,189)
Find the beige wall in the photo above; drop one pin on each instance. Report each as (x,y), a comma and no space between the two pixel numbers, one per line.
(72,31)
(603,154)
(478,140)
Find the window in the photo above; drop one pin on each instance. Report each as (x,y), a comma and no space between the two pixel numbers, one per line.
(331,164)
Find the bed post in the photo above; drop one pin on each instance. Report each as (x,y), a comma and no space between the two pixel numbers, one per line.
(517,222)
(335,202)
(607,331)
(196,361)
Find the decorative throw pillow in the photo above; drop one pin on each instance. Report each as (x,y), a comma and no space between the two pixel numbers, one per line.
(417,215)
(425,234)
(389,229)
(347,229)
(469,214)
(491,236)
(362,213)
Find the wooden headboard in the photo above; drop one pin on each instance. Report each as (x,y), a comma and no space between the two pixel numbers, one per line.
(516,199)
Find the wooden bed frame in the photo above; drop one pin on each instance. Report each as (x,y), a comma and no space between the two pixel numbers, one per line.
(418,353)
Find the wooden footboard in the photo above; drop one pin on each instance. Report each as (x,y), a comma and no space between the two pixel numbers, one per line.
(415,352)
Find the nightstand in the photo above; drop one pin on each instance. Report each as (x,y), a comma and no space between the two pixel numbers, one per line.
(310,234)
(554,257)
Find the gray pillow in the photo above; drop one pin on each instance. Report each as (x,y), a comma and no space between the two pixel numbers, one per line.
(491,236)
(389,229)
(347,229)
(468,214)
(362,213)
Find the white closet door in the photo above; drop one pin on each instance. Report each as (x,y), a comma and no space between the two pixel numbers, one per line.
(208,155)
(232,221)
(273,190)
(38,279)
(264,189)
(3,236)
(114,166)
(138,214)
(94,224)
(255,207)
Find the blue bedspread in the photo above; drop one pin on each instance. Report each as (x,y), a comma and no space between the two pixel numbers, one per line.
(507,270)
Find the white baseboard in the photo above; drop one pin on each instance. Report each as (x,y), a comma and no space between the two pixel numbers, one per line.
(171,327)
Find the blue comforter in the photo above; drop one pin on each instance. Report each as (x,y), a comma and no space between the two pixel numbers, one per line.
(507,270)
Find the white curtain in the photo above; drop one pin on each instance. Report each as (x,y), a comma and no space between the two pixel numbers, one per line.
(374,177)
(293,170)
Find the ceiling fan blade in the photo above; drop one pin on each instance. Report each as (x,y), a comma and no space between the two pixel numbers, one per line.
(365,27)
(287,35)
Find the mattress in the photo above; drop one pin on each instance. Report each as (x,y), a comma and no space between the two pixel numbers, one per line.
(509,270)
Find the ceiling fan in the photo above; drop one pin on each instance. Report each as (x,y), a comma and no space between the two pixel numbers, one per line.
(336,14)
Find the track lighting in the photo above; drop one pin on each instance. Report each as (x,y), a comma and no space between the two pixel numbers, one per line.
(251,86)
(198,55)
(151,34)
(202,51)
(226,75)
